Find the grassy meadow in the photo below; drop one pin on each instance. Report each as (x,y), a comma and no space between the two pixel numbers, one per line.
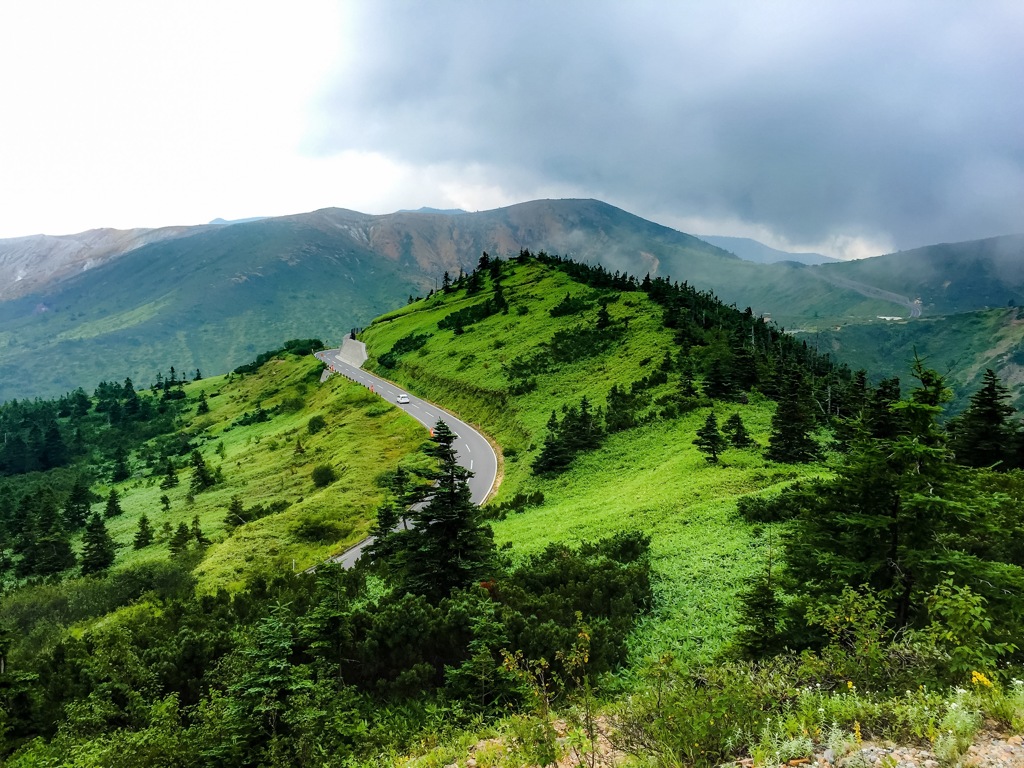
(271,462)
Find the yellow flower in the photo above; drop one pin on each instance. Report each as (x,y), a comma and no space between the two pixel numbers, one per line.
(979,679)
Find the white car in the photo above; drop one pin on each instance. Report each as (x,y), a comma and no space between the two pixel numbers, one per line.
(403,399)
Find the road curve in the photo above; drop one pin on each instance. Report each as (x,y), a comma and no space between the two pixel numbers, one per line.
(474,452)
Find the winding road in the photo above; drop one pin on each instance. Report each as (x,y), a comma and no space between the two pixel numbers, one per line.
(474,452)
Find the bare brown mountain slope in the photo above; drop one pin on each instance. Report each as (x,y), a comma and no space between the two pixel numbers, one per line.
(35,263)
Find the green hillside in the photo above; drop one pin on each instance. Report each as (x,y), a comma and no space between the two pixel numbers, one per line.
(210,301)
(650,478)
(962,346)
(709,543)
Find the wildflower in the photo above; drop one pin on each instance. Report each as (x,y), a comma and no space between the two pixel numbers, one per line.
(850,686)
(977,678)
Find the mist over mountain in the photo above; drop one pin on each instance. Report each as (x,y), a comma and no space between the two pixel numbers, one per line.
(749,249)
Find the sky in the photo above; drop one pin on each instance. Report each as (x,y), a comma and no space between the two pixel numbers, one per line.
(848,128)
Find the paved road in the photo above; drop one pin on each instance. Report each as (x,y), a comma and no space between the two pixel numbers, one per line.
(912,306)
(474,452)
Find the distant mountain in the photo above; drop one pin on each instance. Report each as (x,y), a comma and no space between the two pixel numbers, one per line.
(752,250)
(212,297)
(425,209)
(949,277)
(107,304)
(223,222)
(33,263)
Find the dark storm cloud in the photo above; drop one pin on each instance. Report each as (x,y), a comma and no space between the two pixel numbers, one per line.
(899,120)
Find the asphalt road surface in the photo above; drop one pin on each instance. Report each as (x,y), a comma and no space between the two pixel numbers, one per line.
(474,452)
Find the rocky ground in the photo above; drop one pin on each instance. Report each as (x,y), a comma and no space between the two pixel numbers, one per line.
(990,750)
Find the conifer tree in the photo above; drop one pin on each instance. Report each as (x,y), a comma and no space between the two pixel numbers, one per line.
(76,506)
(203,407)
(202,477)
(760,614)
(236,513)
(97,546)
(170,476)
(448,546)
(121,470)
(113,508)
(896,519)
(792,423)
(737,433)
(197,533)
(719,379)
(144,534)
(165,502)
(983,435)
(179,541)
(709,439)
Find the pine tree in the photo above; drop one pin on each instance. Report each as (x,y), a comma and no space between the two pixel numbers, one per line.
(113,508)
(121,470)
(983,435)
(709,440)
(203,407)
(76,506)
(170,476)
(236,514)
(897,518)
(792,423)
(165,502)
(97,546)
(449,546)
(144,534)
(737,433)
(760,614)
(202,477)
(179,541)
(604,320)
(197,533)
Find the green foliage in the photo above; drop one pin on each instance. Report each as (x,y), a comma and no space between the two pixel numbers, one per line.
(113,506)
(736,431)
(298,347)
(403,346)
(448,546)
(97,547)
(791,439)
(983,435)
(570,305)
(710,440)
(316,424)
(144,535)
(323,475)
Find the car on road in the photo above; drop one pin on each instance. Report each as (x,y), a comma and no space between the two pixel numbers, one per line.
(403,399)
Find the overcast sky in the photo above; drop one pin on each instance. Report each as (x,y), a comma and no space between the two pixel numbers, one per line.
(850,128)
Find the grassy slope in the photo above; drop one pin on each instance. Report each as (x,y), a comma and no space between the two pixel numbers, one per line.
(364,438)
(650,478)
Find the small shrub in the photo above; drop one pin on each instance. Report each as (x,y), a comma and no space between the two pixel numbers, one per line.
(316,424)
(324,475)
